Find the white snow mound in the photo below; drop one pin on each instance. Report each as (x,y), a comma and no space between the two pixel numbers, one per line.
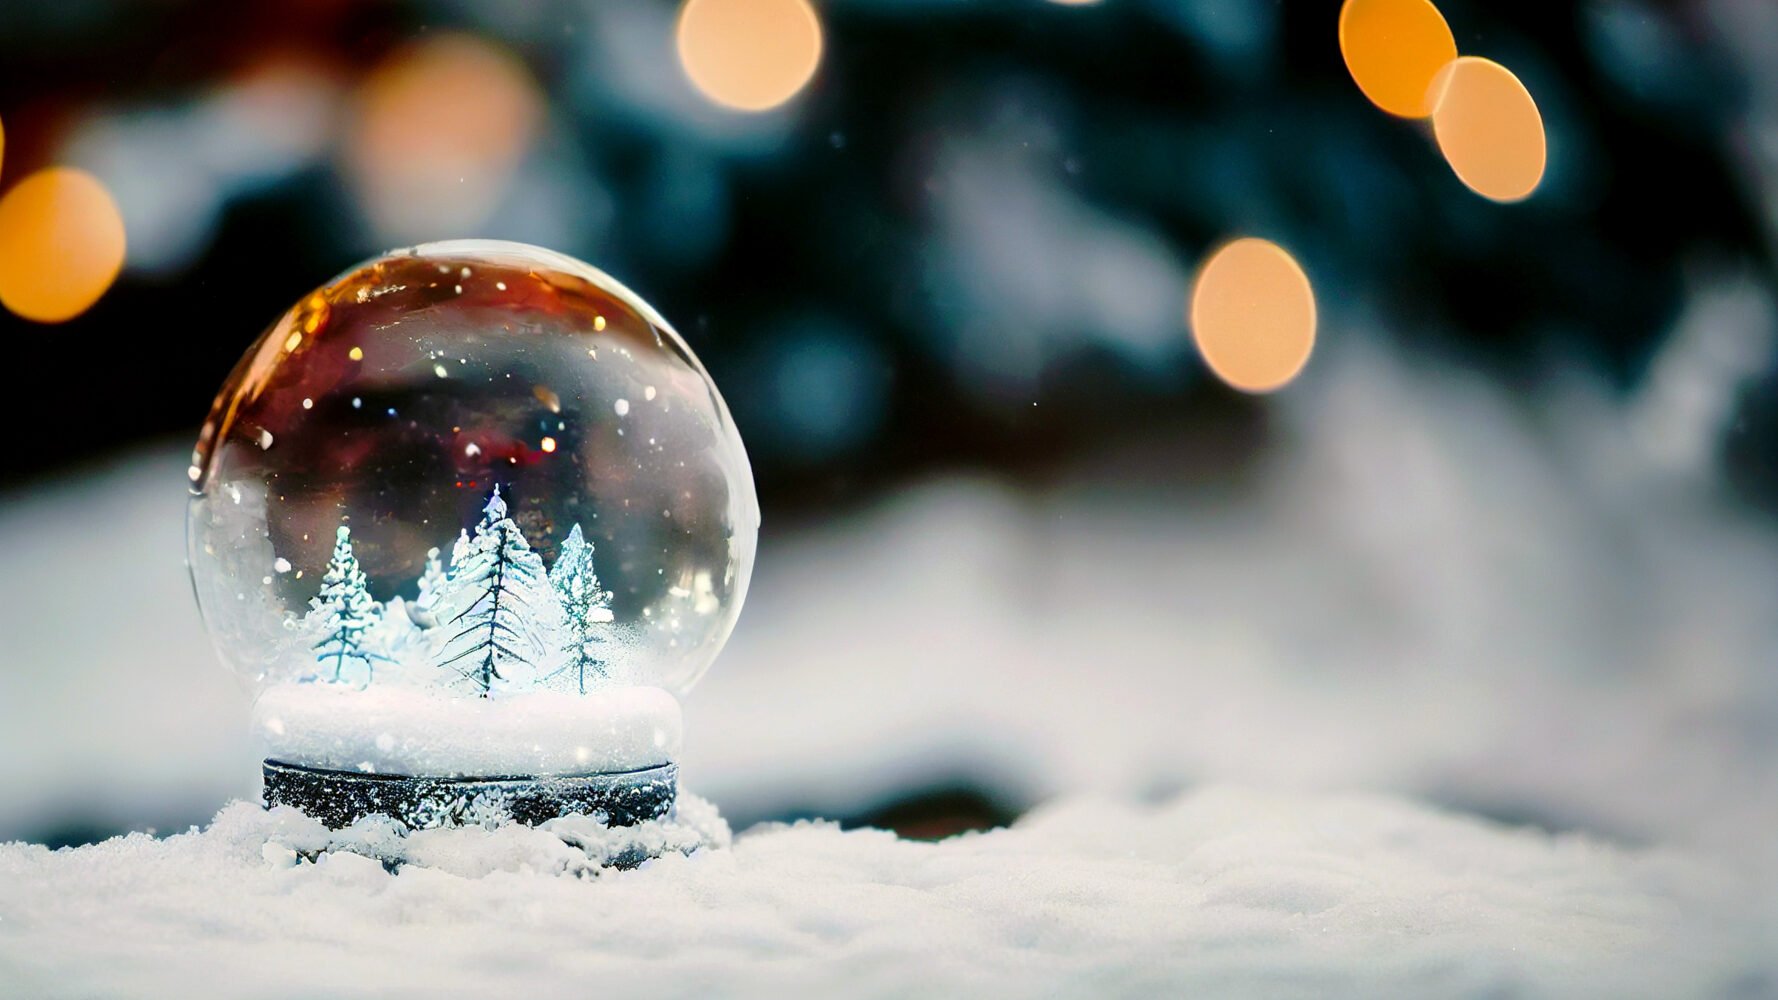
(410,730)
(1223,892)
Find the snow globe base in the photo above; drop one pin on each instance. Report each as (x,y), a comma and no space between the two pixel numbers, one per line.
(341,798)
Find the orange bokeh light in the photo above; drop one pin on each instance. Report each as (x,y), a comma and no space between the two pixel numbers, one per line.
(1489,129)
(1253,315)
(436,132)
(750,55)
(1394,49)
(61,244)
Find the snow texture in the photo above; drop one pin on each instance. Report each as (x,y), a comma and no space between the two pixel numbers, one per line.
(1222,892)
(390,729)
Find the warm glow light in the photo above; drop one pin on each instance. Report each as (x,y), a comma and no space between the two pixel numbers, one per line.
(1394,49)
(1488,127)
(549,444)
(61,244)
(751,55)
(1253,315)
(436,132)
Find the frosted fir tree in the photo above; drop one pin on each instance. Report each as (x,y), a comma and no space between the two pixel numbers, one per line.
(343,612)
(586,611)
(432,582)
(504,617)
(460,548)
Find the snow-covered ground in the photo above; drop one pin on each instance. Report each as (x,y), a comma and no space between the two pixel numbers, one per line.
(1224,890)
(1541,610)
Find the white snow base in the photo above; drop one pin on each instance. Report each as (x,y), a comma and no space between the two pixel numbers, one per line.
(415,731)
(1223,892)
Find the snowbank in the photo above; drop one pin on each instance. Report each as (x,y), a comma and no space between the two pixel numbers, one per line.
(1225,891)
(1430,586)
(408,730)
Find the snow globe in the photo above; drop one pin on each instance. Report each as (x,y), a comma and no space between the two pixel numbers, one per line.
(468,521)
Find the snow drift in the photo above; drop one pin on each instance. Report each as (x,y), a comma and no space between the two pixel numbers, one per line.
(1223,891)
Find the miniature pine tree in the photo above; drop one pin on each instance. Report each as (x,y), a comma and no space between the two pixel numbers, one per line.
(585,608)
(432,580)
(343,611)
(460,548)
(505,614)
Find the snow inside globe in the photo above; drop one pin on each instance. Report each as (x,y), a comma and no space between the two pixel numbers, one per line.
(469,520)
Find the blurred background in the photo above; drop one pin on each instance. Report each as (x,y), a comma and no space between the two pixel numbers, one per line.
(1462,486)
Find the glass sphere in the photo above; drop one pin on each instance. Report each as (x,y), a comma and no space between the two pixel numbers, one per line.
(473,484)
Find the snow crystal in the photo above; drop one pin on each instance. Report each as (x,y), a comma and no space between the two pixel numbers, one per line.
(1223,891)
(409,730)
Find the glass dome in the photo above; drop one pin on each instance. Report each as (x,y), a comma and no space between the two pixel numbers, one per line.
(472,485)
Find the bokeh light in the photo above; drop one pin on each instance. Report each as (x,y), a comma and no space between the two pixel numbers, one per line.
(61,244)
(751,55)
(1489,129)
(177,165)
(1394,50)
(436,134)
(1253,315)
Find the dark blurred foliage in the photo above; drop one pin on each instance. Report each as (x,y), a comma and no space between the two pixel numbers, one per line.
(814,269)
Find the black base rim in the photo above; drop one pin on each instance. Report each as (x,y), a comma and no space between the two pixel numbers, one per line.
(341,798)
